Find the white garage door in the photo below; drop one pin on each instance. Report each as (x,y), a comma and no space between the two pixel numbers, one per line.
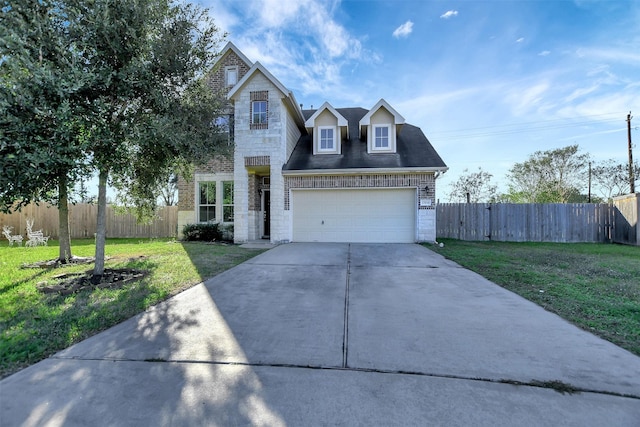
(376,215)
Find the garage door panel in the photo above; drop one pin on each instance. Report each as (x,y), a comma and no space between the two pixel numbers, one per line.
(362,215)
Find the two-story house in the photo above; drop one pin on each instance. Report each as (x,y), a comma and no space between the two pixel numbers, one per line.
(319,175)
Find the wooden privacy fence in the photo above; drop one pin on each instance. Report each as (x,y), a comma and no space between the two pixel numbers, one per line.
(626,219)
(532,222)
(82,221)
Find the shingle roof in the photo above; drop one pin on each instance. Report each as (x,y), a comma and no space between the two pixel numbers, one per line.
(413,150)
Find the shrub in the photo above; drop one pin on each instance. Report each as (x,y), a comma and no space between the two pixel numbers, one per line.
(227,232)
(207,232)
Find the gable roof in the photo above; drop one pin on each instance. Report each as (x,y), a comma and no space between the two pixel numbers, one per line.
(413,151)
(366,119)
(326,106)
(288,97)
(231,47)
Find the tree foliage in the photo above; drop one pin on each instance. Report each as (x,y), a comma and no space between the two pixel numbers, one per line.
(135,104)
(42,83)
(612,178)
(553,176)
(476,184)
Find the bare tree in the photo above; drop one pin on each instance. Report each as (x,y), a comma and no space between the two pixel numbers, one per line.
(476,184)
(612,178)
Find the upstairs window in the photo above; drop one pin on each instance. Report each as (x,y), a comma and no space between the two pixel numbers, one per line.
(327,139)
(381,137)
(259,114)
(231,76)
(259,110)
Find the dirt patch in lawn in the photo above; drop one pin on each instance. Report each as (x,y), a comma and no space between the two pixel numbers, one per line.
(69,283)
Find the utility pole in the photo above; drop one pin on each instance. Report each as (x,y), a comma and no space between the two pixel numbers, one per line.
(632,185)
(589,197)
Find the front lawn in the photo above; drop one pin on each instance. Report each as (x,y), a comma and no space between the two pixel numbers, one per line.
(595,286)
(34,325)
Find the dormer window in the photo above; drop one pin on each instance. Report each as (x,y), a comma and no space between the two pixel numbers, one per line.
(327,138)
(380,128)
(381,137)
(328,128)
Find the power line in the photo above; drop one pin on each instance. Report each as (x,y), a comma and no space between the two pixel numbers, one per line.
(523,127)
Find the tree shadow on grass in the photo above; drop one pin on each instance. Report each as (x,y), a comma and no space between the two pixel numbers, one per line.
(57,321)
(159,367)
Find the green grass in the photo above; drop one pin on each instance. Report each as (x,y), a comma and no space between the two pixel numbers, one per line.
(594,286)
(34,325)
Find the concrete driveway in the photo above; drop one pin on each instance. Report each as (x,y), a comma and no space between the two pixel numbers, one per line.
(334,334)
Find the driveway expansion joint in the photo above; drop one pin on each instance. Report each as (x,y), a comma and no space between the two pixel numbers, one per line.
(345,334)
(558,386)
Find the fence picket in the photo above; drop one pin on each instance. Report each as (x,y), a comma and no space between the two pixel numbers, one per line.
(534,222)
(82,222)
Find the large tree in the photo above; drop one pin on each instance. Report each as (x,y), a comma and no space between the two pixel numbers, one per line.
(145,107)
(151,108)
(42,79)
(476,187)
(553,176)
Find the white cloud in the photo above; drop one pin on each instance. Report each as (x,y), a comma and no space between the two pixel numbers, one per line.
(299,41)
(544,53)
(524,99)
(616,55)
(520,40)
(403,30)
(448,14)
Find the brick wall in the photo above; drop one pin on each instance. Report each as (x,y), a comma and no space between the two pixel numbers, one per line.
(216,77)
(186,187)
(415,180)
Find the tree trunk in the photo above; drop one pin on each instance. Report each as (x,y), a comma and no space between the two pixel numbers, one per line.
(63,217)
(101,231)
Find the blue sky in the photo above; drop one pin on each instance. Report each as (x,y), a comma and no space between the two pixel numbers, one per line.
(489,82)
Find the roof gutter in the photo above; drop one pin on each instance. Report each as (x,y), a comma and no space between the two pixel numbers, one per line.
(364,171)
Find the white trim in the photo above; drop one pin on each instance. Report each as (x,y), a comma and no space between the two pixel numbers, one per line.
(334,145)
(257,67)
(389,147)
(397,117)
(218,179)
(287,95)
(326,106)
(230,46)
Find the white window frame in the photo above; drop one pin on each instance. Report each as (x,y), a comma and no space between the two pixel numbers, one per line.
(260,114)
(333,138)
(374,138)
(218,205)
(227,72)
(209,203)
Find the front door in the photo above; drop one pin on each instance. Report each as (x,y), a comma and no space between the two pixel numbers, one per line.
(266,214)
